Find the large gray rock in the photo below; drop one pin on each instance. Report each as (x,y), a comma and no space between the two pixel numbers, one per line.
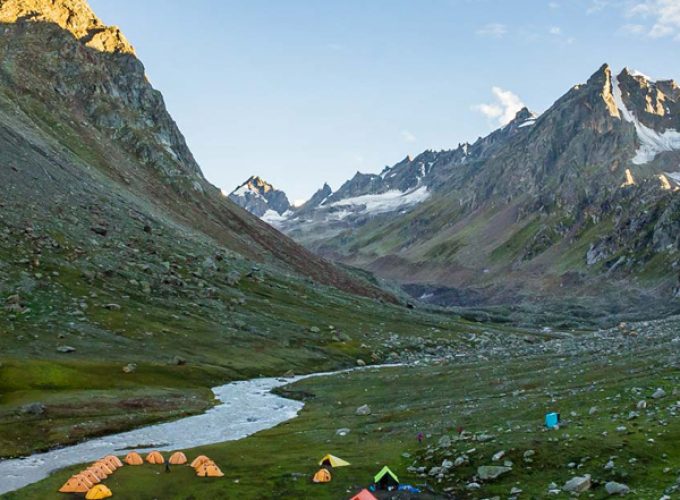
(578,484)
(491,472)
(444,442)
(363,410)
(659,393)
(614,488)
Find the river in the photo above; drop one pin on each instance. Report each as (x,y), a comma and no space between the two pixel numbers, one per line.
(245,407)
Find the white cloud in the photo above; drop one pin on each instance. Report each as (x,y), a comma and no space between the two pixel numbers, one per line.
(555,30)
(505,107)
(553,5)
(408,136)
(633,29)
(494,30)
(597,6)
(661,18)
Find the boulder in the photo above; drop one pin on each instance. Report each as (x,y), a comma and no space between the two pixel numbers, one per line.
(129,368)
(363,410)
(659,393)
(444,442)
(577,484)
(33,409)
(491,472)
(614,488)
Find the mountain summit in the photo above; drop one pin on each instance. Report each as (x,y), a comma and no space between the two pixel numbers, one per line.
(75,16)
(260,198)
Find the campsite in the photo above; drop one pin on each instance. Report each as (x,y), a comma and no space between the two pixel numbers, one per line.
(438,401)
(339,250)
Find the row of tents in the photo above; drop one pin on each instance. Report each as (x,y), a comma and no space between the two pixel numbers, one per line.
(88,481)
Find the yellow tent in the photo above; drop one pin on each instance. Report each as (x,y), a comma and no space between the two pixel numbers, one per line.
(178,458)
(76,484)
(333,461)
(98,492)
(155,458)
(133,458)
(114,460)
(199,460)
(209,469)
(322,476)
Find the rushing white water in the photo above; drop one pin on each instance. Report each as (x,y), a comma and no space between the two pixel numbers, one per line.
(246,407)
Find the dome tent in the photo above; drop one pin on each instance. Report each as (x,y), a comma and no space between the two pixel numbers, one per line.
(98,492)
(155,458)
(177,458)
(322,476)
(133,458)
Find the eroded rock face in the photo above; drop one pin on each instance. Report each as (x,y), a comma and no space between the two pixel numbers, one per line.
(74,16)
(60,52)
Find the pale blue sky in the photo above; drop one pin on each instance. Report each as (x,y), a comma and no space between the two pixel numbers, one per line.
(306,91)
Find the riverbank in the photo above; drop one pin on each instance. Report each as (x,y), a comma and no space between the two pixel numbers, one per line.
(243,408)
(498,398)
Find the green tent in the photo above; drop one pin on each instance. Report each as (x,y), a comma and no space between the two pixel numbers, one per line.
(386,479)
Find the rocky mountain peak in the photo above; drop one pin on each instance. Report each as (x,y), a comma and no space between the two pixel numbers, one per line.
(524,114)
(257,183)
(259,197)
(600,83)
(75,16)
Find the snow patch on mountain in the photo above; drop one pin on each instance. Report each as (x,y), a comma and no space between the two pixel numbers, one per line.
(273,217)
(651,142)
(244,190)
(385,202)
(675,176)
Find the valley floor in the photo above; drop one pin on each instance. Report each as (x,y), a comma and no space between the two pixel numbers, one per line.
(617,426)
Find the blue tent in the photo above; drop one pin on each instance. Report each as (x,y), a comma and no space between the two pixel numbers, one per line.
(552,420)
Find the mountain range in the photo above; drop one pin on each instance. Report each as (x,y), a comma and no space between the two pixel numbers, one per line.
(577,205)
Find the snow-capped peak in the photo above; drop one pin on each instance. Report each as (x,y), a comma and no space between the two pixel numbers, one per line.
(651,141)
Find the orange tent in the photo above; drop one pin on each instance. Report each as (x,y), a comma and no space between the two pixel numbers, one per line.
(199,460)
(133,458)
(364,495)
(178,458)
(106,467)
(155,458)
(109,463)
(209,469)
(322,476)
(101,470)
(76,484)
(98,471)
(114,460)
(91,476)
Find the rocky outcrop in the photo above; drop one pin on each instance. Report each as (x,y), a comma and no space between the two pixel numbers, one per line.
(75,16)
(259,197)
